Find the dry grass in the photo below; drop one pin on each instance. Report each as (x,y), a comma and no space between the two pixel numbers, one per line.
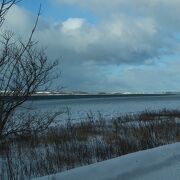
(76,144)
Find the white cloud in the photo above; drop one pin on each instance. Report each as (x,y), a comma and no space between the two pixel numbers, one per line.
(135,34)
(72,24)
(166,12)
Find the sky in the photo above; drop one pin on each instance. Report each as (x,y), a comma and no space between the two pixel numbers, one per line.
(106,46)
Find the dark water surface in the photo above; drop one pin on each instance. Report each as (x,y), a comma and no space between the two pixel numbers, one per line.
(108,106)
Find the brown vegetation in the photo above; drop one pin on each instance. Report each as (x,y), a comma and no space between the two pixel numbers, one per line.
(70,145)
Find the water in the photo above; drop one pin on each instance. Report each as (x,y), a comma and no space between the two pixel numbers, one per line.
(109,106)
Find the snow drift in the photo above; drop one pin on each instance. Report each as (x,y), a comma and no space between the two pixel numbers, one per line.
(162,163)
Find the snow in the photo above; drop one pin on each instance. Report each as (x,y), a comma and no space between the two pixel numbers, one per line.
(162,163)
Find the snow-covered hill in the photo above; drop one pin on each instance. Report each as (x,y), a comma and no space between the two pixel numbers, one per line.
(162,163)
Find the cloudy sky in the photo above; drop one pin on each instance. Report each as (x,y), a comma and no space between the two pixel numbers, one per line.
(103,45)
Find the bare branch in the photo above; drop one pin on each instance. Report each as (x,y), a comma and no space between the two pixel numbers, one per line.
(24,68)
(5,7)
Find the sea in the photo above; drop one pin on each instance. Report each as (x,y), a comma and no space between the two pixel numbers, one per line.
(79,108)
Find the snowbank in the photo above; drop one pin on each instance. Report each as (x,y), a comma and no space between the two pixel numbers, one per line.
(162,163)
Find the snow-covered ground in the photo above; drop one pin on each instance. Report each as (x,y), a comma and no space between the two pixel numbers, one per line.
(162,163)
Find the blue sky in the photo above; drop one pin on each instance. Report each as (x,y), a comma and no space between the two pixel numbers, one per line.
(103,45)
(52,11)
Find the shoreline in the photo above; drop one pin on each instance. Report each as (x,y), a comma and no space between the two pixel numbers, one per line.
(84,96)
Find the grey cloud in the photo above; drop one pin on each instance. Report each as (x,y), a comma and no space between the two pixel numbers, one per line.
(85,50)
(109,42)
(166,12)
(134,79)
(122,39)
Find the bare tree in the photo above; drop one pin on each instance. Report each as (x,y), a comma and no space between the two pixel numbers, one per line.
(5,6)
(24,68)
